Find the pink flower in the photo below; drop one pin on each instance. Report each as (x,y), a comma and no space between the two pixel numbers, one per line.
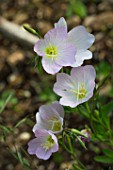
(81,39)
(76,88)
(50,117)
(55,50)
(43,145)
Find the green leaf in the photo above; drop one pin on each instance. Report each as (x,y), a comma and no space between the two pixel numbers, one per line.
(100,69)
(76,7)
(104,113)
(103,159)
(26,162)
(6,129)
(108,153)
(24,120)
(20,158)
(80,9)
(99,130)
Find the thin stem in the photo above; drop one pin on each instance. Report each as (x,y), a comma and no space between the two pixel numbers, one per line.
(79,162)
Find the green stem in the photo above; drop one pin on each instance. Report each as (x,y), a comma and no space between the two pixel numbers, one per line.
(73,153)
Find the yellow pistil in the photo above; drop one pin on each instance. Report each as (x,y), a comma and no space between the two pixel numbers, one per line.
(51,52)
(80,92)
(56,123)
(56,126)
(48,143)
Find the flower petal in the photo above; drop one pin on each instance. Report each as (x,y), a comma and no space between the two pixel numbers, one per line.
(32,146)
(48,113)
(83,74)
(80,38)
(55,147)
(56,36)
(66,54)
(42,154)
(58,107)
(40,124)
(64,83)
(69,100)
(61,23)
(50,66)
(40,47)
(81,56)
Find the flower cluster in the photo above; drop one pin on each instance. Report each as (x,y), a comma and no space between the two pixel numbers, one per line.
(58,49)
(49,121)
(61,48)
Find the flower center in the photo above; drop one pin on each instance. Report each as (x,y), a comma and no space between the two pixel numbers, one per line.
(56,126)
(48,143)
(80,92)
(51,52)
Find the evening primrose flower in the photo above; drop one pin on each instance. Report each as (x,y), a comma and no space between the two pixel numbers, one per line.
(56,52)
(43,145)
(81,39)
(50,117)
(76,88)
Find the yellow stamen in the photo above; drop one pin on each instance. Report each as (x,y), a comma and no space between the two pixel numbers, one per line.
(51,52)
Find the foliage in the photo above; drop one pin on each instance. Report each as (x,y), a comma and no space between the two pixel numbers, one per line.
(77,7)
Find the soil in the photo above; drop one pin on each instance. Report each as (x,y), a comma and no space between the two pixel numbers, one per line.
(30,87)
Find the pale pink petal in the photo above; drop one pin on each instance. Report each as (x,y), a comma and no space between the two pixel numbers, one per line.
(58,107)
(61,23)
(66,54)
(50,66)
(80,38)
(40,47)
(81,56)
(47,113)
(42,154)
(32,146)
(64,83)
(56,36)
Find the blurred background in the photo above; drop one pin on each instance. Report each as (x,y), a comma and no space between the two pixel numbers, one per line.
(24,86)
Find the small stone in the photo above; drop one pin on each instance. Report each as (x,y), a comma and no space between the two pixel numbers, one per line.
(73,21)
(44,26)
(15,79)
(25,136)
(15,57)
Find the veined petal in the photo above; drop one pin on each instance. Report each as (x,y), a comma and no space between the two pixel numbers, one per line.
(42,154)
(33,146)
(61,23)
(80,38)
(83,74)
(48,113)
(77,88)
(58,107)
(64,83)
(40,47)
(56,36)
(66,54)
(81,56)
(50,66)
(40,124)
(68,101)
(41,134)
